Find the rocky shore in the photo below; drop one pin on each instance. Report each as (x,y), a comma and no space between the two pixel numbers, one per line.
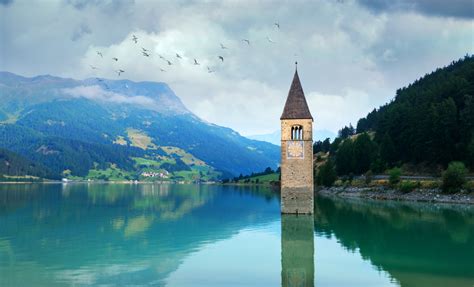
(381,193)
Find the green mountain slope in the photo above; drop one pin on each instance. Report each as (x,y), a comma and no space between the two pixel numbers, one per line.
(427,125)
(13,166)
(84,128)
(431,120)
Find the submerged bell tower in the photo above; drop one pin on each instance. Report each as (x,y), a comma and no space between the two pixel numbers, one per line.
(297,189)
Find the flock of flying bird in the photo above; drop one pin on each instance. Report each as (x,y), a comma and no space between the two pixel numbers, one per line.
(147,53)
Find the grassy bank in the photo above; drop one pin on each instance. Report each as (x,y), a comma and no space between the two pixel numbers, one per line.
(269,179)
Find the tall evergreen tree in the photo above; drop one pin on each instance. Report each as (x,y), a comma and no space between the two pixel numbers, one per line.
(346,132)
(368,123)
(387,150)
(344,158)
(470,154)
(335,145)
(364,153)
(445,133)
(326,175)
(317,147)
(326,145)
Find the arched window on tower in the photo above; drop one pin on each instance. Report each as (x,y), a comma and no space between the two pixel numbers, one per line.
(297,133)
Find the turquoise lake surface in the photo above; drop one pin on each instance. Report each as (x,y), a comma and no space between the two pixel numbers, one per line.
(209,235)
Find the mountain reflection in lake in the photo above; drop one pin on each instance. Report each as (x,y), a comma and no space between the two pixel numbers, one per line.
(417,244)
(199,235)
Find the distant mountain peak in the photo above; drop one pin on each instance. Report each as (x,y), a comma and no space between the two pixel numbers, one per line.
(155,96)
(46,78)
(162,103)
(97,126)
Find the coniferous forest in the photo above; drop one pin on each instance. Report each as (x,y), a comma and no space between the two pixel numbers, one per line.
(12,164)
(428,124)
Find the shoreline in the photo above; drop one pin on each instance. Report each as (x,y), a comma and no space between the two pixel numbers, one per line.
(419,195)
(372,193)
(99,182)
(137,182)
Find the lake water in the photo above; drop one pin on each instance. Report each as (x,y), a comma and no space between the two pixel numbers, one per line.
(191,235)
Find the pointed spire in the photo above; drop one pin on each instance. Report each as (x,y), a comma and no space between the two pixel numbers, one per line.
(296,106)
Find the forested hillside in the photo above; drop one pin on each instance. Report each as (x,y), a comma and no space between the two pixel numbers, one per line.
(13,165)
(107,129)
(428,124)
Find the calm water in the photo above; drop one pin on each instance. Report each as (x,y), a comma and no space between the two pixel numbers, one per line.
(178,235)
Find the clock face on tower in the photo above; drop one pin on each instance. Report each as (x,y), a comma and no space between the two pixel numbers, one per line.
(295,150)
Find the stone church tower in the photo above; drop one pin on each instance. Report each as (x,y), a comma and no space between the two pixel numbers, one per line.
(297,189)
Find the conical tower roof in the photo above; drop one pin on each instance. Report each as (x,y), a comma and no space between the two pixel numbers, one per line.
(296,106)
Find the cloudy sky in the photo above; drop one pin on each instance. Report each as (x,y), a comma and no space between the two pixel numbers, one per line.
(352,54)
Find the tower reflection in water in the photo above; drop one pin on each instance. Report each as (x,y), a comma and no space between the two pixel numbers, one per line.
(297,250)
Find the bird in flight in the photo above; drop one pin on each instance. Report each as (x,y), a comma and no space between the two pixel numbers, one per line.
(161,57)
(146,54)
(209,70)
(277,25)
(134,39)
(169,63)
(100,54)
(196,62)
(246,41)
(145,50)
(223,47)
(94,67)
(120,72)
(178,56)
(270,40)
(115,59)
(221,58)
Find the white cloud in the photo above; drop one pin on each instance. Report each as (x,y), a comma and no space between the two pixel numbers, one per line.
(332,112)
(351,59)
(96,93)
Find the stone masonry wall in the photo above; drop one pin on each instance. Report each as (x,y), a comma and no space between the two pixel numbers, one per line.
(297,174)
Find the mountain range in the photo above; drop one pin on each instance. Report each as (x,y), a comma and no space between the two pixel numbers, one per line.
(118,129)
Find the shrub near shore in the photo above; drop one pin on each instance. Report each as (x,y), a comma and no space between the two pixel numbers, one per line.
(454,177)
(408,186)
(453,181)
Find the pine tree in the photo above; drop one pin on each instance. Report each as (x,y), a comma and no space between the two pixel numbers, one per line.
(344,158)
(326,175)
(364,151)
(326,145)
(387,150)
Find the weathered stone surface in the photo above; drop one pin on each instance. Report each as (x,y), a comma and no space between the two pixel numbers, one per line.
(307,129)
(297,200)
(297,173)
